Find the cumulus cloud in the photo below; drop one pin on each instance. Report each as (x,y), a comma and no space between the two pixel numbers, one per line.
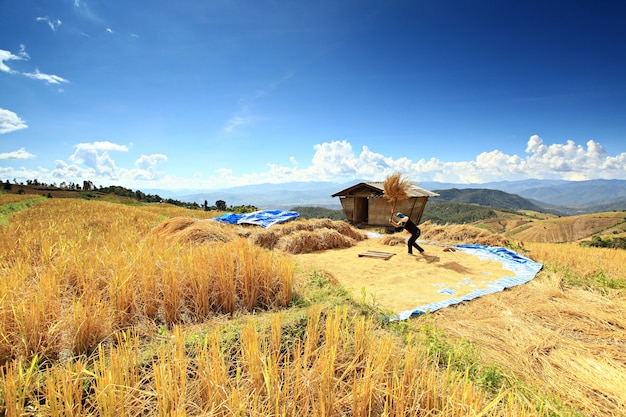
(95,157)
(337,161)
(150,161)
(52,23)
(93,161)
(10,121)
(19,154)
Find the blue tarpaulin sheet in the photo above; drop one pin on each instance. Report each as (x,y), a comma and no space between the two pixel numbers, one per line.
(524,269)
(263,218)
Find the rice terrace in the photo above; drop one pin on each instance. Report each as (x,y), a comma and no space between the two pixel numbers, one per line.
(115,307)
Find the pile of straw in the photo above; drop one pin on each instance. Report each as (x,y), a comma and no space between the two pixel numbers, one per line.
(204,232)
(306,241)
(194,231)
(460,233)
(297,236)
(303,236)
(173,225)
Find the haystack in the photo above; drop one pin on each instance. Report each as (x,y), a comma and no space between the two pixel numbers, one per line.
(460,233)
(193,231)
(173,225)
(304,236)
(306,241)
(204,232)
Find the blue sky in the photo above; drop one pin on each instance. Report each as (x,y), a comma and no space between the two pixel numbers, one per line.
(213,94)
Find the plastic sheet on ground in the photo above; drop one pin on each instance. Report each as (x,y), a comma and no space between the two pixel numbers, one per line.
(263,218)
(524,269)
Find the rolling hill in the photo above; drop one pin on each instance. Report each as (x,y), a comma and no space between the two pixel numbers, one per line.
(488,198)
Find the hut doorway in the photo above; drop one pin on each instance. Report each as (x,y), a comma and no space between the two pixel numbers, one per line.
(360,210)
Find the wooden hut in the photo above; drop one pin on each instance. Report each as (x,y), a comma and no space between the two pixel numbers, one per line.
(364,203)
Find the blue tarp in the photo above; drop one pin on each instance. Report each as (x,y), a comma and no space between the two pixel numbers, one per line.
(524,269)
(264,218)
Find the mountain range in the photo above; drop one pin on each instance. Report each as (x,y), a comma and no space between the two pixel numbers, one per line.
(558,196)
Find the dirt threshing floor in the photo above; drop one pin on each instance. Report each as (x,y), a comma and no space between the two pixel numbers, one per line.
(403,282)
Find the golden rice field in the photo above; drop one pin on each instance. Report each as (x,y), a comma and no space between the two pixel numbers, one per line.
(113,310)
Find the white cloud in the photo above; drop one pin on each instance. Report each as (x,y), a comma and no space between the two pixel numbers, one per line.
(150,161)
(337,161)
(146,168)
(54,24)
(48,78)
(10,121)
(8,56)
(95,157)
(235,122)
(19,154)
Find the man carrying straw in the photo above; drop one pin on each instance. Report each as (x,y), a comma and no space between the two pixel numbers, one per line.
(397,189)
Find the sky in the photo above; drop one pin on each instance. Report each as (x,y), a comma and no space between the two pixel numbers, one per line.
(210,94)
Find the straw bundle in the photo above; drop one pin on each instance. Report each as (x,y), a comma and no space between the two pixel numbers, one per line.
(203,232)
(266,239)
(461,233)
(173,225)
(307,241)
(396,188)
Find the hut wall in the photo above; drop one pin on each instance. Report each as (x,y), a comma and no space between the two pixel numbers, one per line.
(348,207)
(413,207)
(380,210)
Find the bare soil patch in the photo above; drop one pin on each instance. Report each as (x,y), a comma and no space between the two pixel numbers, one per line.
(403,282)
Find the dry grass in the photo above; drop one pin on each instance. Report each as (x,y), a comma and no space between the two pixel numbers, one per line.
(341,365)
(298,236)
(460,233)
(449,234)
(75,272)
(85,287)
(6,198)
(568,341)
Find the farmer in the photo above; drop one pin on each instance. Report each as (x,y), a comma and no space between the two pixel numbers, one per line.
(408,225)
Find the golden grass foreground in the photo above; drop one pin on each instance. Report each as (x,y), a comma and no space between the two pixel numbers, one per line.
(111,310)
(72,273)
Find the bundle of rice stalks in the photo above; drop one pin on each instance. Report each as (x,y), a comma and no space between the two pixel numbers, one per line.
(347,230)
(173,225)
(266,239)
(289,228)
(396,188)
(203,232)
(308,241)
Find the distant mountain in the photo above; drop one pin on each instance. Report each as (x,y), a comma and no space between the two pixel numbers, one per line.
(565,197)
(274,196)
(488,198)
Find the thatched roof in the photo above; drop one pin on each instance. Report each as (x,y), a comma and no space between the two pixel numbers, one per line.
(376,189)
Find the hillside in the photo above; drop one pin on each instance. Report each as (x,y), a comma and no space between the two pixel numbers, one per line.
(571,228)
(488,198)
